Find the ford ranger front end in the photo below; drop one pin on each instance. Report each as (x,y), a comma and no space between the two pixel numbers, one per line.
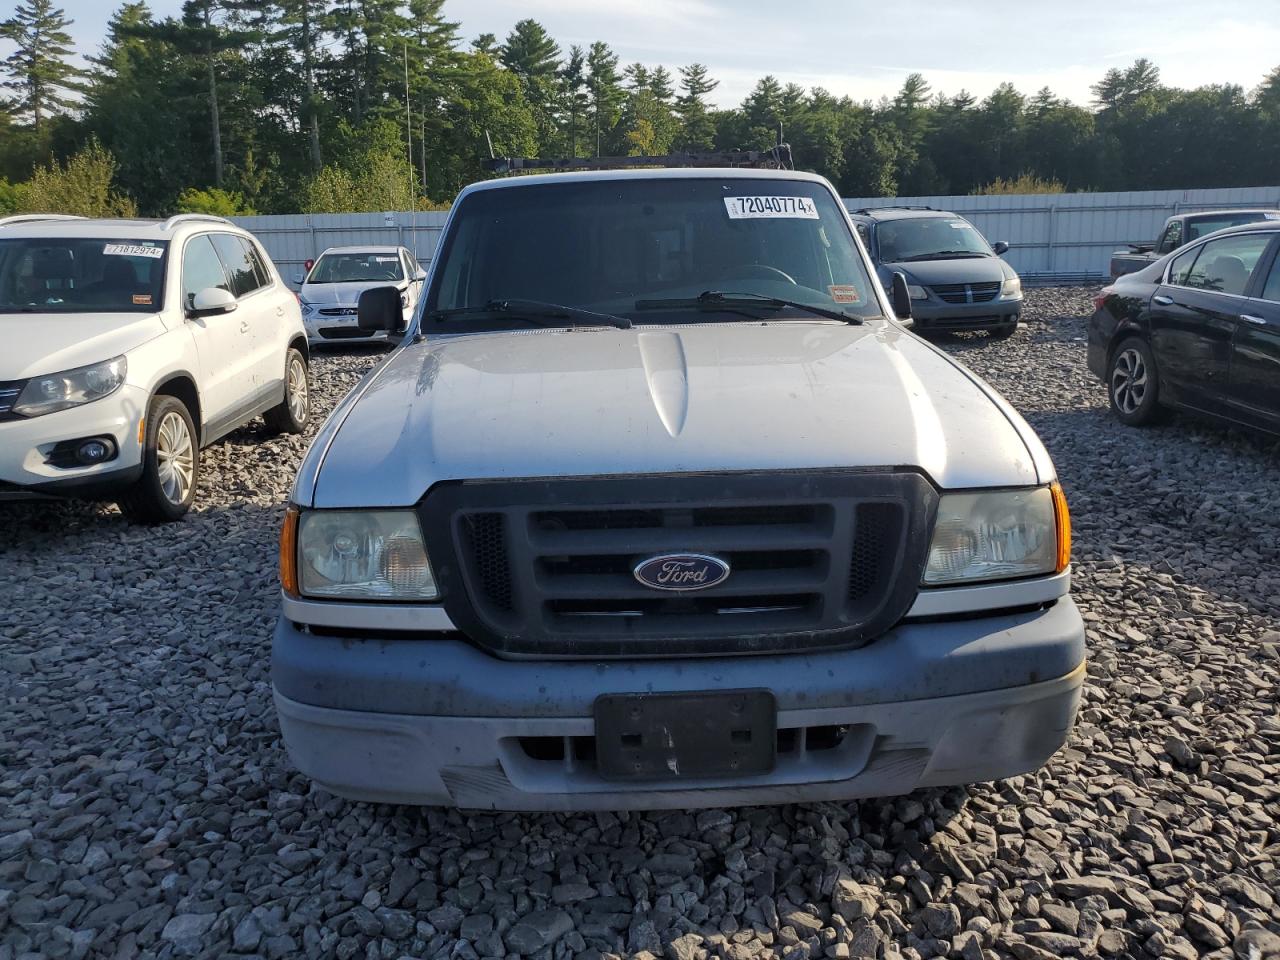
(658,505)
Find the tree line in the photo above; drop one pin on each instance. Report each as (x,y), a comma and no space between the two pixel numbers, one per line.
(278,106)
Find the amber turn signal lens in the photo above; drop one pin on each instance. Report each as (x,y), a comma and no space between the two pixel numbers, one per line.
(289,552)
(1063,518)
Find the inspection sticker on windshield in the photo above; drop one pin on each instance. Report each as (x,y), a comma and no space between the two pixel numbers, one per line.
(133,250)
(843,293)
(751,208)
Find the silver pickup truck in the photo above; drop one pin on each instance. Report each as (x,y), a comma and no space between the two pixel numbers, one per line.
(659,505)
(1180,229)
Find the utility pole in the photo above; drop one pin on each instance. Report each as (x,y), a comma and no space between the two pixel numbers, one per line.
(408,127)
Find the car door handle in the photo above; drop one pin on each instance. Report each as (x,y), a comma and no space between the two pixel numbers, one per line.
(244,326)
(1161,299)
(279,311)
(1257,321)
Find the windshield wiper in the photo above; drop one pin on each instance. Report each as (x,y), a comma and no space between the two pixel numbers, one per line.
(534,310)
(719,300)
(943,255)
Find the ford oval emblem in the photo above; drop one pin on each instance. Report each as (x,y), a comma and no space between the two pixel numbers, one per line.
(682,571)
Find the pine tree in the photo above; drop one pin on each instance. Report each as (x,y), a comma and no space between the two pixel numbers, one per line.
(302,30)
(432,53)
(697,129)
(648,118)
(606,92)
(39,68)
(534,58)
(573,80)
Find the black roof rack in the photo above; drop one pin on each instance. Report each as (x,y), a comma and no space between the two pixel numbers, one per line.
(892,206)
(776,158)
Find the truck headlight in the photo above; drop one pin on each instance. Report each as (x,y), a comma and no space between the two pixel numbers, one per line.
(1011,287)
(58,391)
(999,535)
(917,292)
(363,555)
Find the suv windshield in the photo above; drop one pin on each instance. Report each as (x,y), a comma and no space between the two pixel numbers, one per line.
(929,238)
(81,275)
(645,249)
(356,268)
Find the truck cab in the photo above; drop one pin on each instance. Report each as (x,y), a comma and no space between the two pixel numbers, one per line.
(1179,230)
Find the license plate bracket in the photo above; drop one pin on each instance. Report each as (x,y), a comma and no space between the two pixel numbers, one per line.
(674,736)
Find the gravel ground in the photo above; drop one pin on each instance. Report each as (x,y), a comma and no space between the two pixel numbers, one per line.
(147,807)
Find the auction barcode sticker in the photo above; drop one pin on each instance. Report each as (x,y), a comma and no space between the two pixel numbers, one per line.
(133,250)
(749,208)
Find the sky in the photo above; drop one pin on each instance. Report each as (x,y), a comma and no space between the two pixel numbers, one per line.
(865,49)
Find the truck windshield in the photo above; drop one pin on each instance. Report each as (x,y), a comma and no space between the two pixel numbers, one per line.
(355,268)
(1202,226)
(608,245)
(81,275)
(929,238)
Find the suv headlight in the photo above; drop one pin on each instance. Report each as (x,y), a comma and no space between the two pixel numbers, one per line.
(999,535)
(1011,287)
(917,292)
(58,391)
(363,555)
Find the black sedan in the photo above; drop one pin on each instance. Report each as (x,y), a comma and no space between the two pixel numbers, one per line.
(1198,329)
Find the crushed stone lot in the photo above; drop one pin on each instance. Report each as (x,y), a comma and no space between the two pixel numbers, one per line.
(147,807)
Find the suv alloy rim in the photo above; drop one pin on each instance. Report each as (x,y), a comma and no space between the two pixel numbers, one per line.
(297,388)
(1129,380)
(175,457)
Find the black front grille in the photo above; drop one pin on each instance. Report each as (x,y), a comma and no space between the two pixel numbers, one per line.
(8,397)
(484,544)
(547,567)
(337,311)
(343,333)
(967,292)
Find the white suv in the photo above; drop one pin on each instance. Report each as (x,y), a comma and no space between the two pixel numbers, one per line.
(331,289)
(131,344)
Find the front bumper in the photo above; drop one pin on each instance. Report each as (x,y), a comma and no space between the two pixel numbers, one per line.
(436,721)
(933,314)
(336,331)
(25,445)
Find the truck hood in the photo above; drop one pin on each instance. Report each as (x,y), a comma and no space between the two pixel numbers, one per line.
(40,343)
(723,397)
(967,270)
(342,294)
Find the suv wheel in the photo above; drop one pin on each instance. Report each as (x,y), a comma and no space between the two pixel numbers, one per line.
(170,465)
(1131,383)
(292,413)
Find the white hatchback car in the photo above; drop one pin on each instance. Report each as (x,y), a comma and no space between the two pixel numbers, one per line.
(332,287)
(131,344)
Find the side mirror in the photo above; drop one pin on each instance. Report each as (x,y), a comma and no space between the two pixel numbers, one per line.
(299,278)
(211,301)
(1000,247)
(901,296)
(379,309)
(419,275)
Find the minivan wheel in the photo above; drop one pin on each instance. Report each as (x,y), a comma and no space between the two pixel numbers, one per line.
(1132,384)
(170,465)
(291,415)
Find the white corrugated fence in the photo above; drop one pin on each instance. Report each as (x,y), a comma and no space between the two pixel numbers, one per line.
(292,239)
(1064,237)
(1057,237)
